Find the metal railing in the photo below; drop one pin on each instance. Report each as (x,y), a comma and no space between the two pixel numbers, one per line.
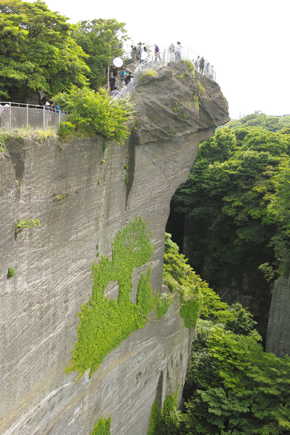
(158,61)
(19,115)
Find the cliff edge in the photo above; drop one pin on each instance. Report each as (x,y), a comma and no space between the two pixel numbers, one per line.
(83,193)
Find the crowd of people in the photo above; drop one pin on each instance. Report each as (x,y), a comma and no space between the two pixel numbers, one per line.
(50,105)
(141,53)
(203,67)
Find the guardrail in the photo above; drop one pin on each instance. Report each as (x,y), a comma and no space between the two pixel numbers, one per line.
(19,115)
(158,61)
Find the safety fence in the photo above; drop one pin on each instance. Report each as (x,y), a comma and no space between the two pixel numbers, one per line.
(34,117)
(159,60)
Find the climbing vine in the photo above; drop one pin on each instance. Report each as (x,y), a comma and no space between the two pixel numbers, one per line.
(180,278)
(105,323)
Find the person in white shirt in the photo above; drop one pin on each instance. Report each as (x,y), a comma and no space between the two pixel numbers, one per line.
(178,51)
(144,55)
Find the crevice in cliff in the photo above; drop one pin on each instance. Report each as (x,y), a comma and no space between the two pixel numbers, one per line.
(17,152)
(159,390)
(131,166)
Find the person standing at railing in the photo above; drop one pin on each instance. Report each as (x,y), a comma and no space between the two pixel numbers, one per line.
(171,53)
(157,52)
(128,78)
(178,51)
(112,81)
(122,77)
(207,69)
(201,65)
(134,53)
(144,55)
(196,64)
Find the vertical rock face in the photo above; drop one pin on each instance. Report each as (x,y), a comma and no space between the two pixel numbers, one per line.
(79,194)
(278,332)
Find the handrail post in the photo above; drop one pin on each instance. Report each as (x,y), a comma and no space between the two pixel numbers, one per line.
(43,118)
(26,115)
(9,115)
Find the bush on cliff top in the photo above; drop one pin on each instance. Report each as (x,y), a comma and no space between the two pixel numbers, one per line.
(93,112)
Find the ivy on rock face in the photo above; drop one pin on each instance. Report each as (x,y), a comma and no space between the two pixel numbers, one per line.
(105,323)
(180,278)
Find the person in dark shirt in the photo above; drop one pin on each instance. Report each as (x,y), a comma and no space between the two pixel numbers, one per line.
(112,81)
(201,65)
(128,78)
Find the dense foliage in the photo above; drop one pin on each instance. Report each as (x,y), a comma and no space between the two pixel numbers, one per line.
(41,52)
(179,277)
(232,386)
(92,112)
(236,206)
(271,123)
(102,40)
(37,52)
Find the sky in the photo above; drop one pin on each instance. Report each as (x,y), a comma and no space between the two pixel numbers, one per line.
(247,41)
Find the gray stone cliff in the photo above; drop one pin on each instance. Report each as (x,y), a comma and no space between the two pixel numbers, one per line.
(278,332)
(79,194)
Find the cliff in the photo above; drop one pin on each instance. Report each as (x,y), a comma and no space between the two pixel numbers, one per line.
(83,193)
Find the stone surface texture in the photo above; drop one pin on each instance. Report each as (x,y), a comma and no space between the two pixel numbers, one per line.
(278,332)
(82,202)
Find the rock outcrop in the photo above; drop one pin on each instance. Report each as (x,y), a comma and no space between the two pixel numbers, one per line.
(79,194)
(278,332)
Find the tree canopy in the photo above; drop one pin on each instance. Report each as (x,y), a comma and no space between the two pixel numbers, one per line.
(37,51)
(41,51)
(102,40)
(236,205)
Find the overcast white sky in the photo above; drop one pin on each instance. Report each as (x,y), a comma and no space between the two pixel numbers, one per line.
(246,40)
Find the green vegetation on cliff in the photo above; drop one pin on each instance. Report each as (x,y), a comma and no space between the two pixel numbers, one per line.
(165,421)
(102,427)
(180,278)
(93,112)
(105,323)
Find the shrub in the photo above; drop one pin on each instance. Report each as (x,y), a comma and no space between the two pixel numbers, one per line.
(200,88)
(93,112)
(11,272)
(189,64)
(148,73)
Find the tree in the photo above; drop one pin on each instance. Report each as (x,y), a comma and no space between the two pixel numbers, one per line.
(237,388)
(102,40)
(37,52)
(226,202)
